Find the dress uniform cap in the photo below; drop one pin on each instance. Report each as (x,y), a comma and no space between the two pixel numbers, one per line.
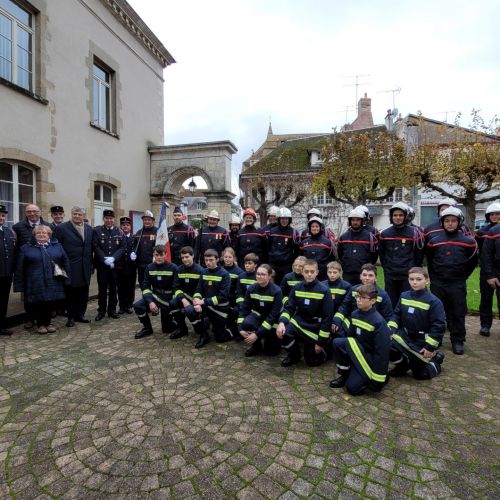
(149,214)
(108,213)
(177,210)
(56,208)
(3,209)
(213,214)
(125,220)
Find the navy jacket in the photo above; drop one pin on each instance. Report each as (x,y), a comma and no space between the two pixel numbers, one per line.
(435,228)
(145,240)
(245,280)
(180,235)
(289,281)
(265,304)
(481,235)
(356,248)
(215,238)
(124,264)
(107,243)
(8,245)
(158,283)
(24,231)
(79,251)
(186,281)
(214,287)
(490,255)
(309,308)
(400,249)
(234,273)
(451,256)
(35,273)
(340,291)
(283,245)
(320,248)
(252,240)
(419,319)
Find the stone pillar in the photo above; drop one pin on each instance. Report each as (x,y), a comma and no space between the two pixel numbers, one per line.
(220,201)
(156,203)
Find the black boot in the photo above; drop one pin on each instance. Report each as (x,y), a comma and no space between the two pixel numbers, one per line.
(339,382)
(438,357)
(457,346)
(204,340)
(147,328)
(256,348)
(178,334)
(484,331)
(290,359)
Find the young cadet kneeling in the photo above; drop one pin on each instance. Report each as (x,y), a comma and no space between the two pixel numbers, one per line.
(363,356)
(306,318)
(259,313)
(418,325)
(211,300)
(157,295)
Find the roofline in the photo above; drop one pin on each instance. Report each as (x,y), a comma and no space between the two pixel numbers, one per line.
(195,145)
(129,18)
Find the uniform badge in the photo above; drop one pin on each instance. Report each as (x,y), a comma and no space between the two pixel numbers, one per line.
(403,242)
(209,283)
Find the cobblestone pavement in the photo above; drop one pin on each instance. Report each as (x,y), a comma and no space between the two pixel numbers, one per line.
(89,412)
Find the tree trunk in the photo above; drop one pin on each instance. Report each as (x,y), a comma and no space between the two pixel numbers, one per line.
(470,210)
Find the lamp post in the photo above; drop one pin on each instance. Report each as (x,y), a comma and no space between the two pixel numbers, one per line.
(192,186)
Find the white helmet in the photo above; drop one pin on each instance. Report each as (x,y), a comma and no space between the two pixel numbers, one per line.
(411,213)
(452,211)
(317,219)
(365,210)
(356,213)
(446,201)
(273,210)
(314,212)
(285,213)
(235,220)
(491,209)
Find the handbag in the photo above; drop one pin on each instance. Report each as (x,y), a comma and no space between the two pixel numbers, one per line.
(58,271)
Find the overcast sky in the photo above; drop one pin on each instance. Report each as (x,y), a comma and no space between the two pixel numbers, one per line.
(241,63)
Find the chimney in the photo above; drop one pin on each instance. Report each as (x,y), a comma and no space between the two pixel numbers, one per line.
(365,118)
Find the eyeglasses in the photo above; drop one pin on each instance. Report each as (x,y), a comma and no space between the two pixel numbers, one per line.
(261,274)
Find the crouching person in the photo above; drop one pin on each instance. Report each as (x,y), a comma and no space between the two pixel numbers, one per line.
(157,294)
(306,318)
(418,325)
(259,313)
(363,355)
(211,301)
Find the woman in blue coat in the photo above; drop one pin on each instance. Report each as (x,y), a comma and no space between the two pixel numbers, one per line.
(35,276)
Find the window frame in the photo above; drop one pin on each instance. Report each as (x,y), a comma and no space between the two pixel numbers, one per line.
(110,103)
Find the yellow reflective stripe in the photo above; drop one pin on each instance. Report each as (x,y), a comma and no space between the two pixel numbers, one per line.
(240,320)
(211,277)
(160,273)
(362,361)
(308,295)
(431,341)
(147,290)
(363,324)
(266,325)
(247,281)
(264,298)
(233,276)
(338,291)
(161,301)
(189,275)
(285,300)
(197,295)
(379,298)
(215,300)
(347,322)
(257,313)
(177,293)
(292,283)
(324,334)
(239,299)
(312,335)
(339,315)
(285,315)
(415,303)
(392,323)
(400,340)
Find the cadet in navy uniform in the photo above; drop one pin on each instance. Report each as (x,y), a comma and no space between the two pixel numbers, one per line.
(340,289)
(291,279)
(306,318)
(247,277)
(145,241)
(126,270)
(452,257)
(7,262)
(57,214)
(259,313)
(401,247)
(363,355)
(230,265)
(185,284)
(179,235)
(109,246)
(157,295)
(212,236)
(211,300)
(418,325)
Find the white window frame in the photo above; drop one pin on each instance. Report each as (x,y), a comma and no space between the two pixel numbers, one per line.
(13,63)
(14,217)
(101,85)
(101,205)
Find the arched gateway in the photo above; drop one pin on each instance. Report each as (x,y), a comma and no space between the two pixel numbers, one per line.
(172,165)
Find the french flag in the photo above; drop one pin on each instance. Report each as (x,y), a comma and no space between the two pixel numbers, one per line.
(162,234)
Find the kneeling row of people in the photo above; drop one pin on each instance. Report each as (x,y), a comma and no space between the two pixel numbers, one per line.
(356,325)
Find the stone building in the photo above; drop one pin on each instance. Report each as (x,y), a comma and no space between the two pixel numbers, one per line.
(81,93)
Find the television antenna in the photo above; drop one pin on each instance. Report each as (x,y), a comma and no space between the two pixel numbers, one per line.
(445,113)
(356,84)
(394,92)
(346,109)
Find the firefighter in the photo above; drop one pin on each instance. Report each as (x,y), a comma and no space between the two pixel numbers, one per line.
(126,271)
(306,318)
(401,247)
(492,216)
(251,239)
(363,355)
(283,245)
(436,227)
(417,325)
(179,235)
(356,246)
(452,256)
(315,212)
(234,227)
(367,224)
(145,241)
(273,213)
(212,236)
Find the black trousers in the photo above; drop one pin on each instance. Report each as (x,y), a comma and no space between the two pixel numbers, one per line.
(291,341)
(106,282)
(270,344)
(217,317)
(5,284)
(453,295)
(167,315)
(395,287)
(41,312)
(406,358)
(77,298)
(125,282)
(141,271)
(486,304)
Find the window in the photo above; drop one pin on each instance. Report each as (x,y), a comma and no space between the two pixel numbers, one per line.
(103,200)
(17,189)
(200,205)
(397,195)
(324,199)
(102,81)
(16,44)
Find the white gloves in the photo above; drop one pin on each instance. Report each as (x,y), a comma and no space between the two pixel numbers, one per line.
(133,256)
(109,261)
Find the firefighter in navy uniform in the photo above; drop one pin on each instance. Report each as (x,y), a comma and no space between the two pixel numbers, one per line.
(234,227)
(126,270)
(212,236)
(306,318)
(211,300)
(315,212)
(367,220)
(490,260)
(179,235)
(157,295)
(109,246)
(436,227)
(401,247)
(356,246)
(185,284)
(145,241)
(452,257)
(492,216)
(251,239)
(363,355)
(8,246)
(273,213)
(57,214)
(283,245)
(417,325)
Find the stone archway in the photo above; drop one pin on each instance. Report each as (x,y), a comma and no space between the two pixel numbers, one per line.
(172,165)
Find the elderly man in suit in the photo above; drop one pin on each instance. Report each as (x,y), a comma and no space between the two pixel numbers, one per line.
(76,238)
